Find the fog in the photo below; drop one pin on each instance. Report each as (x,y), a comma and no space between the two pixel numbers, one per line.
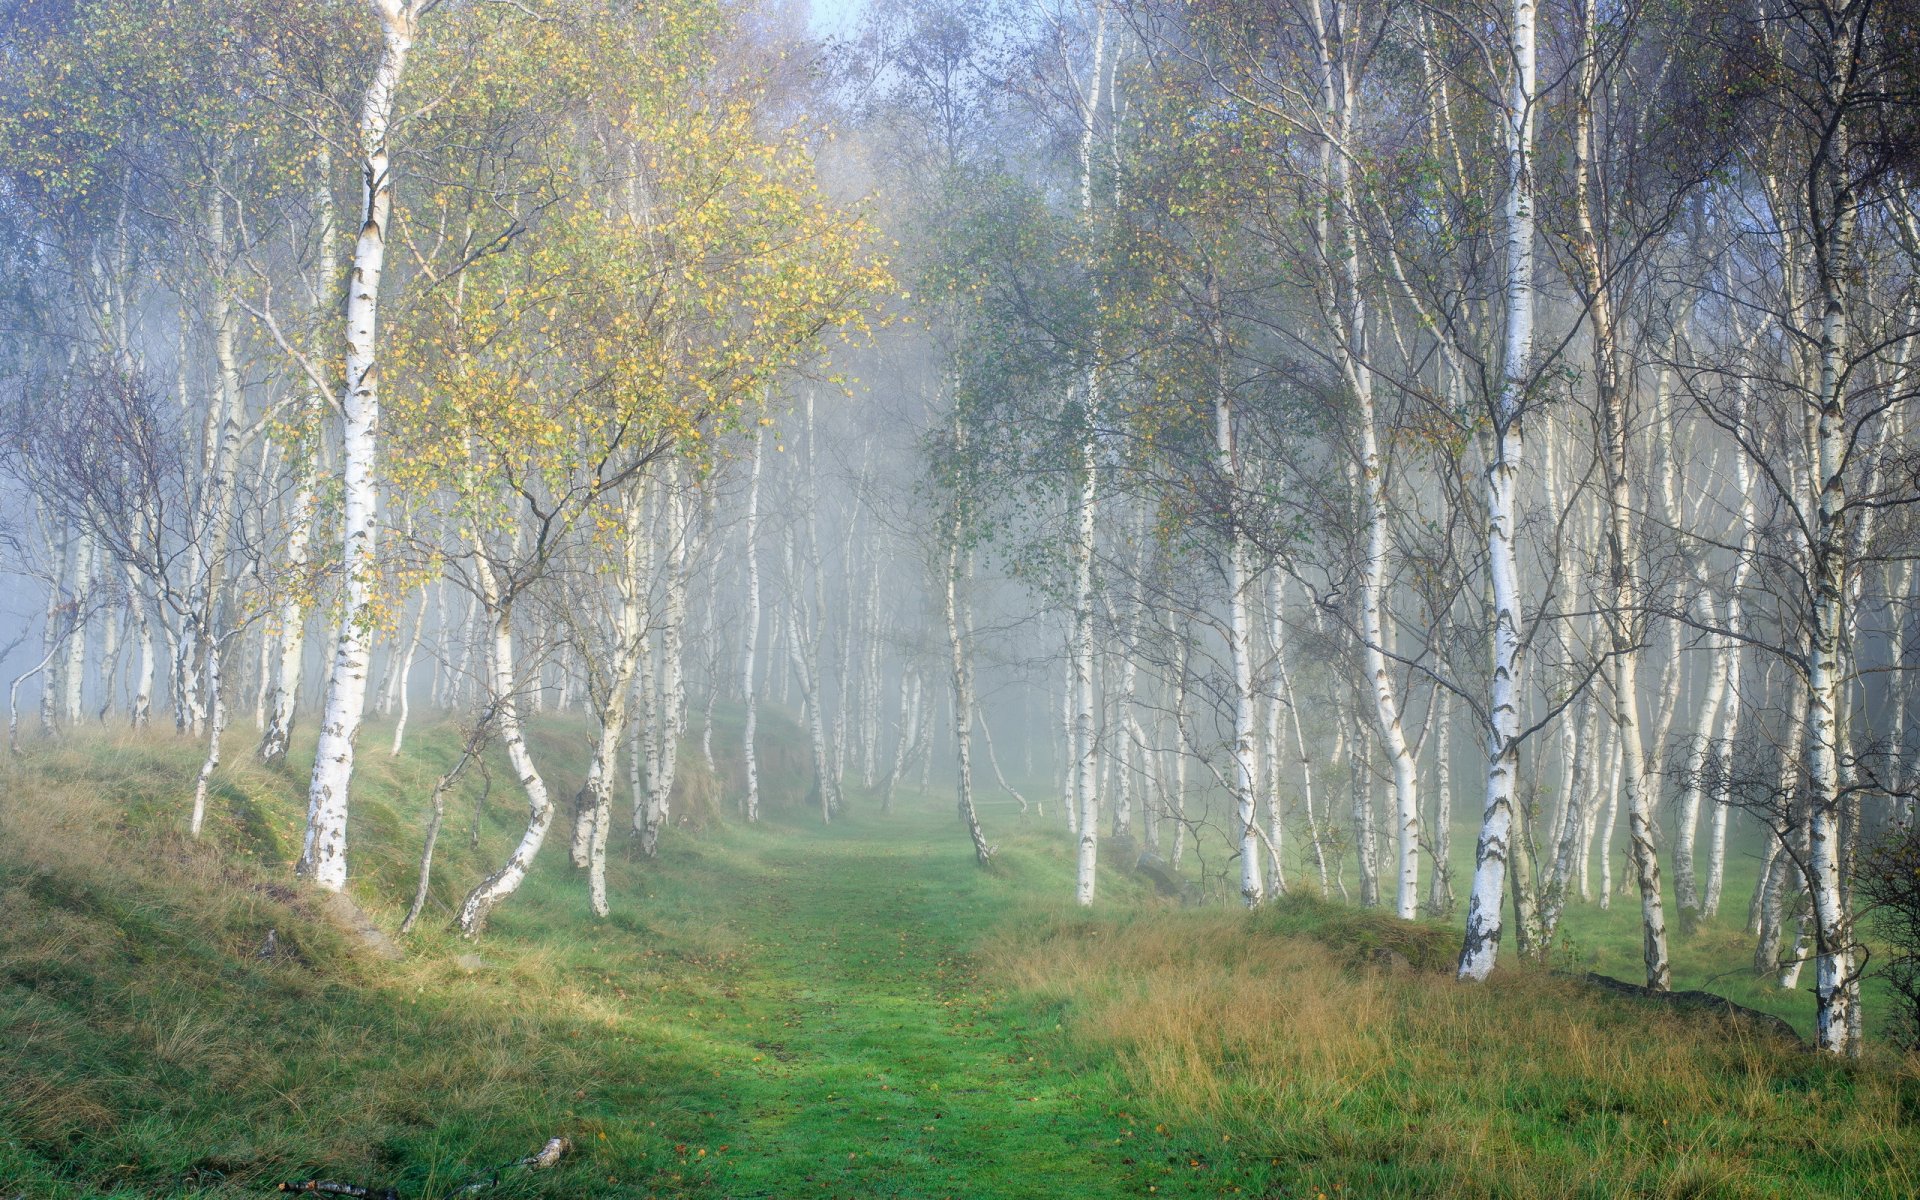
(1426,458)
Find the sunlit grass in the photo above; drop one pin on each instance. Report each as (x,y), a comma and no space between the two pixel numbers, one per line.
(1320,1070)
(788,1011)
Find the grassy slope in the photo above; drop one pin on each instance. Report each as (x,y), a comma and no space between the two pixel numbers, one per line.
(1717,957)
(790,1011)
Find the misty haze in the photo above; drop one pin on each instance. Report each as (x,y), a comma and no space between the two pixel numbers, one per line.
(1034,598)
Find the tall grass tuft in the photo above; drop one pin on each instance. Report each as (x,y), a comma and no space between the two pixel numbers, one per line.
(1382,1075)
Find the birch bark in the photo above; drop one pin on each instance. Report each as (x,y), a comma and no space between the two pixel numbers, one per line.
(1625,619)
(631,641)
(1834,223)
(1086,496)
(962,681)
(1347,313)
(664,754)
(750,635)
(1480,948)
(323,857)
(480,902)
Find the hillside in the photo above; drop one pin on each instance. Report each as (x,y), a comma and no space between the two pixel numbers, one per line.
(791,1010)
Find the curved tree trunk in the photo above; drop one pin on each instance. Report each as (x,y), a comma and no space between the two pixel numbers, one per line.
(496,887)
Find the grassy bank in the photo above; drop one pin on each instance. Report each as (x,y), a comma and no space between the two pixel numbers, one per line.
(790,1010)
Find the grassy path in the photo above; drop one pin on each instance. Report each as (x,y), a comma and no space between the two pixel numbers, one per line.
(785,1010)
(881,1064)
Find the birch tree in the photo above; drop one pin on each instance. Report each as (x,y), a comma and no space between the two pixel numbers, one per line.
(323,853)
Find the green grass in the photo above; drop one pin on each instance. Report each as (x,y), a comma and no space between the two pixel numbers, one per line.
(1716,957)
(789,1010)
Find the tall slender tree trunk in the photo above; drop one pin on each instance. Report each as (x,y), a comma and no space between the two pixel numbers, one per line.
(1360,805)
(1833,923)
(963,705)
(1242,770)
(1625,620)
(1271,755)
(1315,835)
(1181,651)
(73,673)
(403,677)
(1723,770)
(632,634)
(1685,885)
(323,856)
(1086,419)
(1480,948)
(750,634)
(140,709)
(1440,834)
(909,735)
(1347,313)
(664,752)
(1779,871)
(593,821)
(110,649)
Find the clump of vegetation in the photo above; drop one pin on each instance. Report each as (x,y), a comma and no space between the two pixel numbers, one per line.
(1362,934)
(1888,881)
(1322,1074)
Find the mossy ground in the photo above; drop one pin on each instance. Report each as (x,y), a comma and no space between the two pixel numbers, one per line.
(789,1010)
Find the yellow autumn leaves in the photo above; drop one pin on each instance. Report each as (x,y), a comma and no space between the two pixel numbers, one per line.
(618,273)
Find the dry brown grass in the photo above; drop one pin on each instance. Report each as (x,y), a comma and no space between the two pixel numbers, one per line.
(1403,1082)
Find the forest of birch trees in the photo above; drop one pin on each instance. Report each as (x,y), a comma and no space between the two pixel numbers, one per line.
(1271,440)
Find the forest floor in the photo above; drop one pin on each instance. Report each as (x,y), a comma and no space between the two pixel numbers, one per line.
(792,1010)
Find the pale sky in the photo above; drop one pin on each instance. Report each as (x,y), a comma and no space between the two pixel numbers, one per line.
(834,16)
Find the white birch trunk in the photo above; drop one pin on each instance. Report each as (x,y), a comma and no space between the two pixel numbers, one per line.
(909,734)
(110,650)
(496,887)
(1086,749)
(403,678)
(1481,946)
(1086,800)
(1288,697)
(962,688)
(140,710)
(871,680)
(1612,814)
(1181,650)
(1723,754)
(1685,887)
(750,636)
(631,631)
(1440,884)
(216,725)
(669,722)
(73,673)
(1833,923)
(1346,311)
(323,857)
(594,807)
(1271,755)
(1360,807)
(646,745)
